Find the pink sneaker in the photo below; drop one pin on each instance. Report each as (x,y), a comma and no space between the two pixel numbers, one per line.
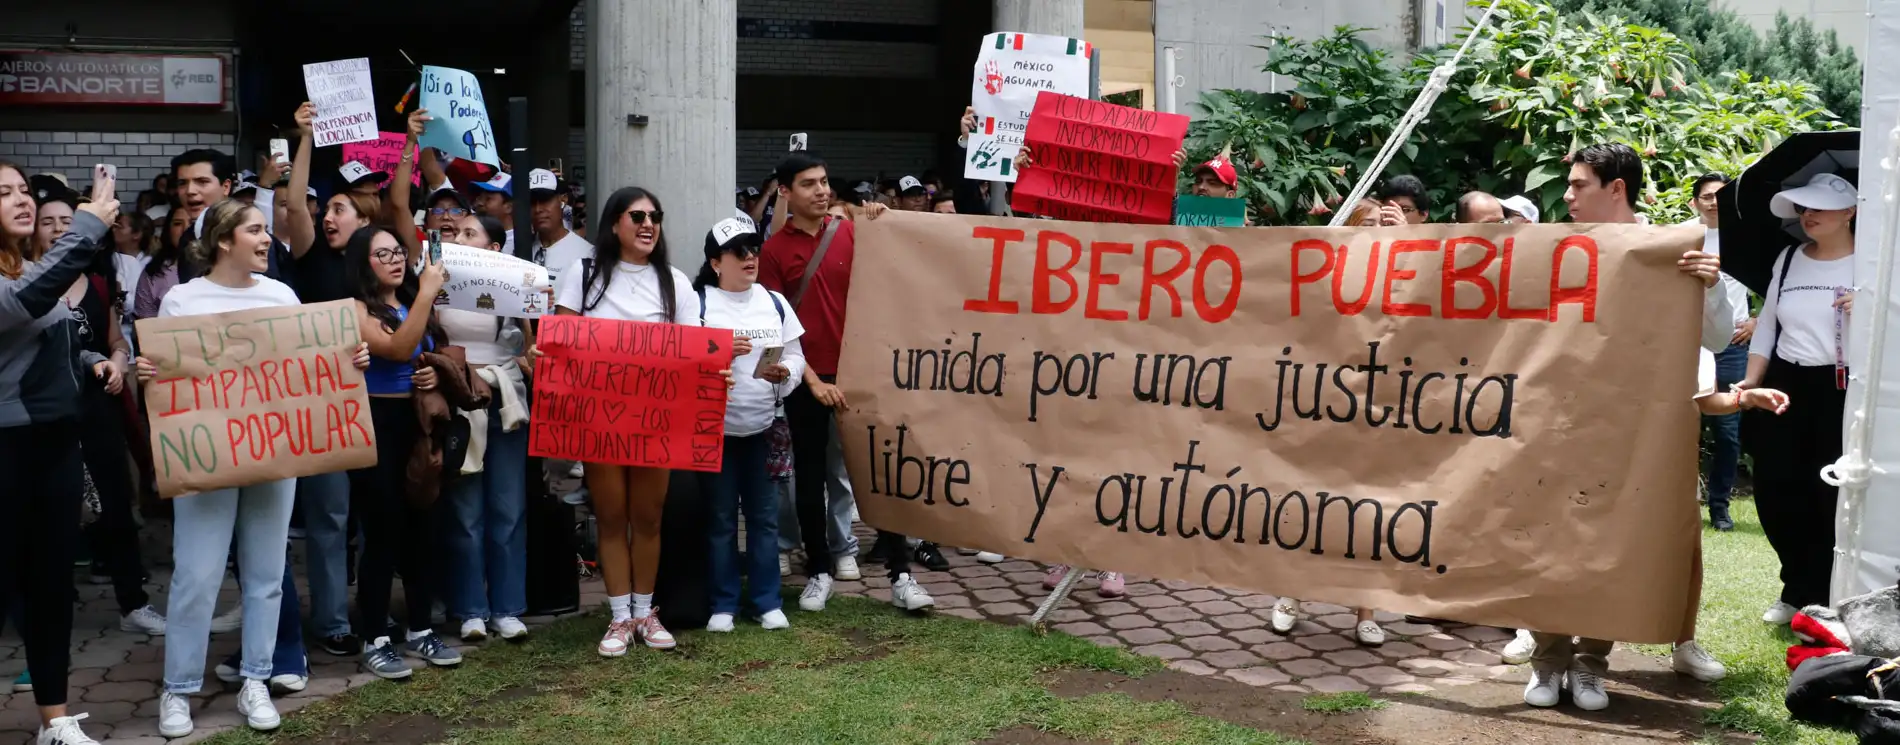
(619,637)
(1054,577)
(1112,585)
(651,632)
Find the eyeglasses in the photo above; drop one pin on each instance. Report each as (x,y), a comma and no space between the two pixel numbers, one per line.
(389,255)
(639,216)
(455,212)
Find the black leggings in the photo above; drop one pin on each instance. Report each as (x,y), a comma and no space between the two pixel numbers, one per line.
(1797,507)
(115,537)
(811,422)
(39,525)
(394,533)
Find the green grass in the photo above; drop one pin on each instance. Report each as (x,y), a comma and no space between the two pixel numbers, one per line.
(1341,703)
(1739,582)
(858,673)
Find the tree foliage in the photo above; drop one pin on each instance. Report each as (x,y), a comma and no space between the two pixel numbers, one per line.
(1793,49)
(1531,92)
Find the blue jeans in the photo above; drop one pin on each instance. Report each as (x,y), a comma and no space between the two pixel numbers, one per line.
(838,503)
(202,528)
(325,501)
(290,658)
(1730,367)
(742,483)
(485,535)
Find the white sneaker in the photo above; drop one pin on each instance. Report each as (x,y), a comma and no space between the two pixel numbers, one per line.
(289,682)
(1544,689)
(146,620)
(1286,612)
(907,594)
(229,621)
(817,591)
(576,471)
(1369,633)
(474,630)
(1520,649)
(508,628)
(774,620)
(1692,660)
(967,552)
(1586,690)
(848,569)
(1779,614)
(784,564)
(720,623)
(174,716)
(989,557)
(254,703)
(66,731)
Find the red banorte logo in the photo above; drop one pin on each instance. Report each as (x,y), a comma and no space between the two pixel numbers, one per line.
(992,78)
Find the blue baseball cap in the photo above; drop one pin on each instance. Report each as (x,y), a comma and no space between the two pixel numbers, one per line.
(502,183)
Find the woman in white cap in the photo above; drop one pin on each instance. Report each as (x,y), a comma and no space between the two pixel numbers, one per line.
(1800,347)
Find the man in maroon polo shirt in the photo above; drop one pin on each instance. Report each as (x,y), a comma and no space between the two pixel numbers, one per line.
(818,296)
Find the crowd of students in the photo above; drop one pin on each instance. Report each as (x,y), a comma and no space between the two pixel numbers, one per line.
(75,271)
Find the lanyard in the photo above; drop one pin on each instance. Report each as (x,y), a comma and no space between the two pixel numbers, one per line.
(1840,351)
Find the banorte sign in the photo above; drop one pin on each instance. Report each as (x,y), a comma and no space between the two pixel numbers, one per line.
(59,78)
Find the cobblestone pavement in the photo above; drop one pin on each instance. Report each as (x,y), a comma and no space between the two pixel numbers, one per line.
(1198,630)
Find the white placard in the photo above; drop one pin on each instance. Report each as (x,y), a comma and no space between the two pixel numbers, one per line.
(346,106)
(494,283)
(1011,69)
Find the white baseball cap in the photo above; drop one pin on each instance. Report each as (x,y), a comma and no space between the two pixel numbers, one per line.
(907,183)
(543,180)
(1825,191)
(1521,206)
(354,172)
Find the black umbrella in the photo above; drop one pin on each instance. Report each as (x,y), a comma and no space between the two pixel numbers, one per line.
(1752,237)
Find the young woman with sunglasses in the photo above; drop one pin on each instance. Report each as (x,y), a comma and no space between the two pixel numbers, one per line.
(396,314)
(630,279)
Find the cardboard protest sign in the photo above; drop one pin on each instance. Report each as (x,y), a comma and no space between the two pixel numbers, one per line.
(346,106)
(629,393)
(494,283)
(256,395)
(1011,69)
(384,153)
(1485,423)
(460,127)
(1213,212)
(1099,162)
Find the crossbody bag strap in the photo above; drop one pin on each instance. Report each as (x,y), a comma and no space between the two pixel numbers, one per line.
(817,259)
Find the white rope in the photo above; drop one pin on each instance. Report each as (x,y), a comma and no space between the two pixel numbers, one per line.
(1421,107)
(1854,470)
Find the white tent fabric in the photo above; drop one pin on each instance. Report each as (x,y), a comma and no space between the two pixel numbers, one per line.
(1868,528)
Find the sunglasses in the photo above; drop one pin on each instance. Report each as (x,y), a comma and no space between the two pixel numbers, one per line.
(448,211)
(389,255)
(639,216)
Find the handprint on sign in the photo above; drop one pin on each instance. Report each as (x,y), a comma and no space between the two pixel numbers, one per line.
(985,155)
(992,78)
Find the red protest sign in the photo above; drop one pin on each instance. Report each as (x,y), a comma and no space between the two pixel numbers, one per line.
(630,393)
(1099,162)
(382,154)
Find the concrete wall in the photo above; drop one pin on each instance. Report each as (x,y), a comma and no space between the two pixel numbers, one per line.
(1217,39)
(1847,17)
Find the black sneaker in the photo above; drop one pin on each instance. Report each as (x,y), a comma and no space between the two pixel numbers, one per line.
(931,558)
(341,645)
(1718,518)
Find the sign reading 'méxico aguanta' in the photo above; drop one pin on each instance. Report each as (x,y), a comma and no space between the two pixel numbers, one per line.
(28,77)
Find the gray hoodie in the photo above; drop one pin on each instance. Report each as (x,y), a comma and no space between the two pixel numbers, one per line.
(40,365)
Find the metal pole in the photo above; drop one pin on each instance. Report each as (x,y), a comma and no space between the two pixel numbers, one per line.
(1055,598)
(520,164)
(1166,89)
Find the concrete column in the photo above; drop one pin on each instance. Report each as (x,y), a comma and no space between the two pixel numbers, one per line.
(1053,17)
(674,62)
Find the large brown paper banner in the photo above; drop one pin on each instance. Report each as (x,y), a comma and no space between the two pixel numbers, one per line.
(1485,423)
(256,395)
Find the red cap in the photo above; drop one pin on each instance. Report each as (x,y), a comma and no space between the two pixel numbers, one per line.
(1222,168)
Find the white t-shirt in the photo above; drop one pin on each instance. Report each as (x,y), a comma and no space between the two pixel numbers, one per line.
(1799,322)
(201,296)
(128,267)
(1704,373)
(632,295)
(753,402)
(564,253)
(1737,292)
(475,332)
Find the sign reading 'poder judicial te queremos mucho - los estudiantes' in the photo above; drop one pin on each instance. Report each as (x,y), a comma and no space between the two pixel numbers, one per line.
(630,393)
(255,395)
(1486,423)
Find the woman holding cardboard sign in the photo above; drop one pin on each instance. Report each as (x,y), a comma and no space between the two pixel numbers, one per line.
(395,311)
(236,247)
